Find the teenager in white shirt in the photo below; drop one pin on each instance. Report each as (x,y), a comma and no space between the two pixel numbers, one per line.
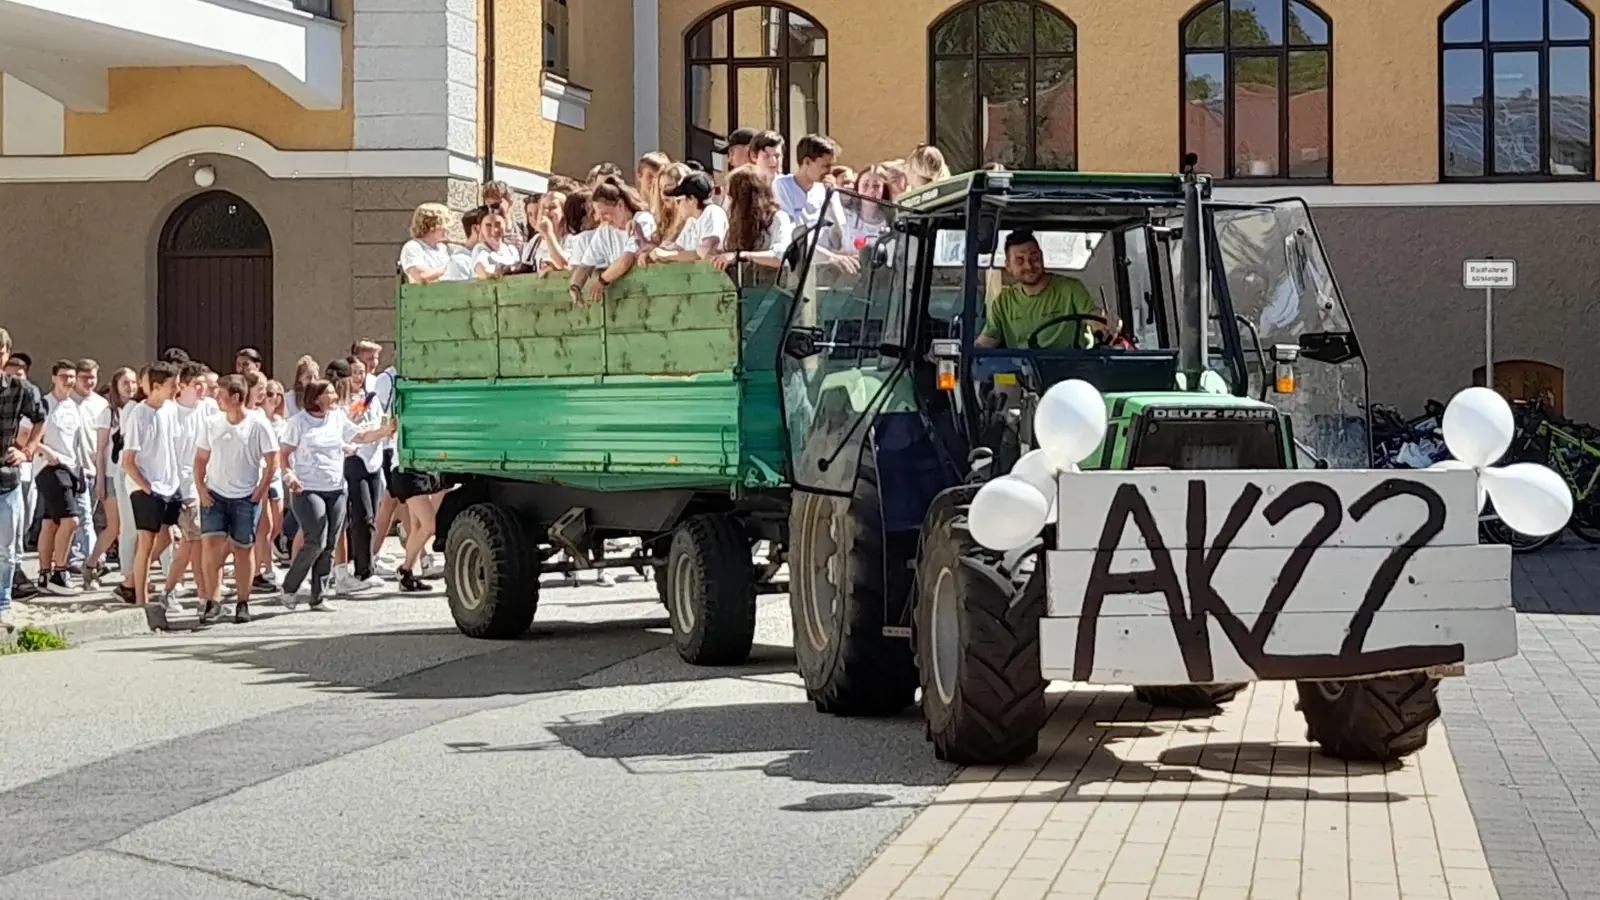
(623,227)
(363,476)
(108,488)
(862,219)
(758,230)
(190,407)
(493,257)
(549,227)
(58,470)
(312,453)
(235,457)
(270,406)
(459,267)
(766,152)
(424,258)
(705,225)
(578,221)
(154,476)
(97,417)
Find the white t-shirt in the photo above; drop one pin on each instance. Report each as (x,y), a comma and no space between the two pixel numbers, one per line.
(67,434)
(575,247)
(417,255)
(151,435)
(370,415)
(383,388)
(189,419)
(605,245)
(854,227)
(804,206)
(778,234)
(279,426)
(499,259)
(711,223)
(237,451)
(459,267)
(319,441)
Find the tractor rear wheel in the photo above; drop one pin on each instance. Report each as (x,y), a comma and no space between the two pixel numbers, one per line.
(976,631)
(836,600)
(1370,719)
(1187,696)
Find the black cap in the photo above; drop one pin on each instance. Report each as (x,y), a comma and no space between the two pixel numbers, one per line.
(25,359)
(336,369)
(741,137)
(695,184)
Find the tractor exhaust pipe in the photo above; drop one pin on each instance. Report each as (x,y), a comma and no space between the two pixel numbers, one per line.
(1192,311)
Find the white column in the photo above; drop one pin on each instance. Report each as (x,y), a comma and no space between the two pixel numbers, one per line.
(646,76)
(34,123)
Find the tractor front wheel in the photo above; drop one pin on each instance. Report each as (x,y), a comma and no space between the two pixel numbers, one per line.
(1370,719)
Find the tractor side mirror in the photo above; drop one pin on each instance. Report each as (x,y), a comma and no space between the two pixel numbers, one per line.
(988,231)
(1331,347)
(802,343)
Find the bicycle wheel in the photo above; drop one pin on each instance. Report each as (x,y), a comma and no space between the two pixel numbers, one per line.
(1494,531)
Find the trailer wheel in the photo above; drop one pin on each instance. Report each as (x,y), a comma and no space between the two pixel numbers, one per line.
(976,631)
(491,578)
(1188,696)
(711,596)
(1370,719)
(836,600)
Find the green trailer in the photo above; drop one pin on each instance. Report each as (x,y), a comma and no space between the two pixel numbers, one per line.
(652,415)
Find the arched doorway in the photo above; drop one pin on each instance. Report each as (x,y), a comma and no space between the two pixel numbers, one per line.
(214,289)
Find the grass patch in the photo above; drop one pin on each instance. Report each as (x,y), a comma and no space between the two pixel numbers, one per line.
(29,640)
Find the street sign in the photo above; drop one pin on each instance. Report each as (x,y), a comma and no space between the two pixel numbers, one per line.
(1489,274)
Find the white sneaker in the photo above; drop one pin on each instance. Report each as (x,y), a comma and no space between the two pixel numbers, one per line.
(383,568)
(344,584)
(291,599)
(431,567)
(6,623)
(373,581)
(605,578)
(170,604)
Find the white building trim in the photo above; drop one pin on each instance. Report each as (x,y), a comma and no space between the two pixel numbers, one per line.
(33,122)
(646,76)
(563,102)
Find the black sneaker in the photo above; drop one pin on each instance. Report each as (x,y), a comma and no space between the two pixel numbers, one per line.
(24,589)
(125,594)
(411,584)
(263,584)
(210,611)
(56,583)
(241,613)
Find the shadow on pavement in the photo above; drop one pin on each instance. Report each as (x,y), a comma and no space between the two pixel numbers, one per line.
(1270,759)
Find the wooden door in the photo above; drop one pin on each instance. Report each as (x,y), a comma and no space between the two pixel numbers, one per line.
(214,293)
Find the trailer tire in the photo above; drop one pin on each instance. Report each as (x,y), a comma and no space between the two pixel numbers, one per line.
(1188,696)
(836,559)
(711,596)
(1370,719)
(976,632)
(491,578)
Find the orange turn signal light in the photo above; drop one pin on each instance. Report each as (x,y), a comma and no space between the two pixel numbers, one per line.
(947,375)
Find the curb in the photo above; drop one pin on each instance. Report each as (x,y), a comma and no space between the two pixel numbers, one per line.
(119,623)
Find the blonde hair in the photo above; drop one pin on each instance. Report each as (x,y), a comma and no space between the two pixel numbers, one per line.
(428,217)
(306,365)
(654,161)
(669,216)
(926,162)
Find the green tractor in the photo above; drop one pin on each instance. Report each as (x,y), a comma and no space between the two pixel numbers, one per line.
(1177,560)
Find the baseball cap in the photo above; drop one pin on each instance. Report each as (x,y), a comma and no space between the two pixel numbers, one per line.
(741,137)
(695,185)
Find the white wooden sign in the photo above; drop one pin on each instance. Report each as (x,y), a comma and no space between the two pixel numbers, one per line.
(1175,577)
(1489,274)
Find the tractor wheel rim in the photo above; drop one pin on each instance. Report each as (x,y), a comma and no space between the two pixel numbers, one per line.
(946,636)
(472,577)
(684,588)
(819,591)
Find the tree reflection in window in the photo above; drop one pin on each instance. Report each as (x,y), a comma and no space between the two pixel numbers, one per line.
(1537,120)
(1002,86)
(217,221)
(754,65)
(1257,89)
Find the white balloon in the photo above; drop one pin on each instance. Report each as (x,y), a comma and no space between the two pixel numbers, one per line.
(1036,469)
(1478,426)
(1007,513)
(1452,464)
(1530,498)
(1070,421)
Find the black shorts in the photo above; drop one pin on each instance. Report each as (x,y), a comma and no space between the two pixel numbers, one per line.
(388,470)
(57,488)
(406,483)
(154,512)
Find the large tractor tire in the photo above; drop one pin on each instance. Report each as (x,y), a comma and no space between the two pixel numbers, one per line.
(491,574)
(1370,719)
(710,591)
(976,631)
(1188,696)
(836,600)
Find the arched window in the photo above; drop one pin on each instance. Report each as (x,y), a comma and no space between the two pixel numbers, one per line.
(754,65)
(1003,87)
(1258,89)
(1539,121)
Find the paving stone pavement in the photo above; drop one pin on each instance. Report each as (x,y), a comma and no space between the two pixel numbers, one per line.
(1526,734)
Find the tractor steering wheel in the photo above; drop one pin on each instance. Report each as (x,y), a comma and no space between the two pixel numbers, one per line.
(1033,337)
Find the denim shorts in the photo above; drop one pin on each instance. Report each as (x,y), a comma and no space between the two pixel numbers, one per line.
(234,519)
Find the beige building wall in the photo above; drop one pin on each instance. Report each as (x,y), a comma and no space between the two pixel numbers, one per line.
(1385,81)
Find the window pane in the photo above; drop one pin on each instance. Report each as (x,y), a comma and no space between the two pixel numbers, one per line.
(1203,111)
(954,94)
(708,99)
(1571,112)
(710,40)
(806,38)
(1256,23)
(1465,25)
(754,31)
(1306,26)
(808,102)
(1516,20)
(1004,89)
(1567,22)
(1463,113)
(1005,26)
(1052,33)
(1255,118)
(1309,142)
(758,96)
(1205,29)
(1516,113)
(954,35)
(1055,110)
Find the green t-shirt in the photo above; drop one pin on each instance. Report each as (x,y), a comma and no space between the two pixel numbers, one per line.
(1014,315)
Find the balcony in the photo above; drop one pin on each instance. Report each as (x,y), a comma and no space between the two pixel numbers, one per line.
(66,47)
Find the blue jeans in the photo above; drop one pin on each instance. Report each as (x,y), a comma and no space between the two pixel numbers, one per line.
(83,538)
(12,526)
(233,519)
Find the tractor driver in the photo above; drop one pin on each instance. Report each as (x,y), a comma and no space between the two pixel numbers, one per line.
(1037,297)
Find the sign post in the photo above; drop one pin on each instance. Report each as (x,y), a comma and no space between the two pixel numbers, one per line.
(1489,275)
